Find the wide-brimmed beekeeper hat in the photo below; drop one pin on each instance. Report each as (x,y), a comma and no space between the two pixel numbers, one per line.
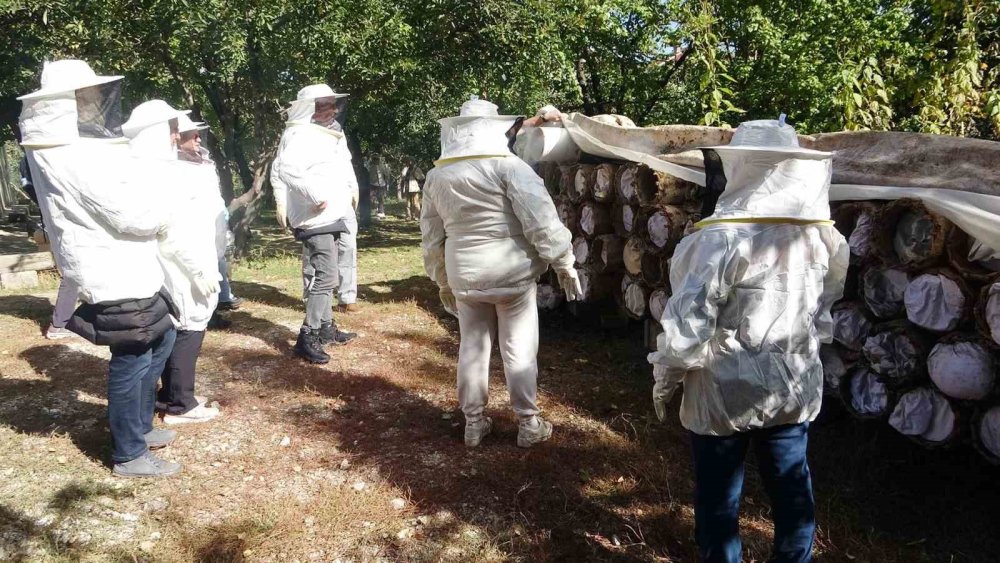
(148,114)
(185,124)
(768,135)
(66,76)
(478,109)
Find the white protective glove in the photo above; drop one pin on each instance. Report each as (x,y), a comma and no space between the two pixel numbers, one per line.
(663,391)
(205,287)
(569,281)
(282,214)
(449,301)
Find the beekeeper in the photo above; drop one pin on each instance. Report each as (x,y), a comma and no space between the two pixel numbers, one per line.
(489,231)
(101,206)
(752,291)
(316,194)
(189,252)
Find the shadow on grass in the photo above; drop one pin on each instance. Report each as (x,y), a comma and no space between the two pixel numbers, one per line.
(29,307)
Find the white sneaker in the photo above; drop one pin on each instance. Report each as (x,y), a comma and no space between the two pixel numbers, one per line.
(201,413)
(529,434)
(54,333)
(476,431)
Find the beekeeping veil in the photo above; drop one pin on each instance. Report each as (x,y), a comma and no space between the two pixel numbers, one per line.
(319,105)
(477,131)
(73,103)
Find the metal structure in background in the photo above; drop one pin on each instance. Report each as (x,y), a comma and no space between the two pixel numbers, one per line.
(12,198)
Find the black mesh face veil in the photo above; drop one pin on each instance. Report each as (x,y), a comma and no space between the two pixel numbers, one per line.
(331,112)
(99,110)
(512,133)
(715,181)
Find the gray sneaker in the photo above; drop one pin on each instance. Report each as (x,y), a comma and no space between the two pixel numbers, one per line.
(159,438)
(146,466)
(476,431)
(528,436)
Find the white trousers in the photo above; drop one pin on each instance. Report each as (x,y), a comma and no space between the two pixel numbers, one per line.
(509,316)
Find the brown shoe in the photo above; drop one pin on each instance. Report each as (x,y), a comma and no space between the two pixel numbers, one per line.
(348,308)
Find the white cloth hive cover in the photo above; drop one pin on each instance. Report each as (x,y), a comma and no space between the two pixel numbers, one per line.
(868,395)
(833,366)
(548,296)
(626,184)
(861,237)
(628,218)
(924,413)
(885,291)
(658,227)
(934,302)
(892,354)
(635,299)
(588,223)
(962,370)
(581,250)
(851,326)
(548,143)
(989,430)
(657,303)
(912,240)
(992,312)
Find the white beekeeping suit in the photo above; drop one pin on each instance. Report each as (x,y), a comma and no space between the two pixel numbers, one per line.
(102,228)
(313,165)
(752,291)
(316,190)
(489,231)
(189,251)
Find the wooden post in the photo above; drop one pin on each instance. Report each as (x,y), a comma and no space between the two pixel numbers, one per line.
(581,189)
(634,298)
(897,352)
(658,302)
(963,367)
(623,217)
(658,189)
(581,250)
(567,176)
(626,184)
(926,417)
(910,236)
(655,269)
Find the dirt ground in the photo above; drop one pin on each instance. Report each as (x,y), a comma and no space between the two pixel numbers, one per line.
(362,459)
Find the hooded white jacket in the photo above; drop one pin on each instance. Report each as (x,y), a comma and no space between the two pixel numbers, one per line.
(489,223)
(313,165)
(752,291)
(103,218)
(195,241)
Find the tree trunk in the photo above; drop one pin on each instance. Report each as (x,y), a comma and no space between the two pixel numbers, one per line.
(910,236)
(963,367)
(634,297)
(986,433)
(652,188)
(581,251)
(569,215)
(626,184)
(864,395)
(898,353)
(655,269)
(623,219)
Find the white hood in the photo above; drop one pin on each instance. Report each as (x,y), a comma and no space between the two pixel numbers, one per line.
(764,184)
(153,142)
(49,121)
(477,131)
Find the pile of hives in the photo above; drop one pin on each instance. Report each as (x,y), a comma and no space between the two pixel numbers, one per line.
(917,335)
(626,220)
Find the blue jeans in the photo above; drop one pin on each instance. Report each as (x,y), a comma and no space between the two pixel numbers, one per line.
(132,375)
(718,471)
(225,288)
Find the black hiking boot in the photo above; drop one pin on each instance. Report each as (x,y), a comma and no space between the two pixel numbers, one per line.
(309,347)
(330,334)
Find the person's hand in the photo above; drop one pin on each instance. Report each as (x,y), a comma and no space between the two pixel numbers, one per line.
(663,391)
(569,281)
(549,113)
(205,287)
(448,301)
(321,206)
(282,214)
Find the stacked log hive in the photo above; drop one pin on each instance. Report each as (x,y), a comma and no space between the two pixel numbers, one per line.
(626,221)
(916,336)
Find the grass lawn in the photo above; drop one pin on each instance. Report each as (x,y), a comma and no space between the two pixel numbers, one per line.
(363,459)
